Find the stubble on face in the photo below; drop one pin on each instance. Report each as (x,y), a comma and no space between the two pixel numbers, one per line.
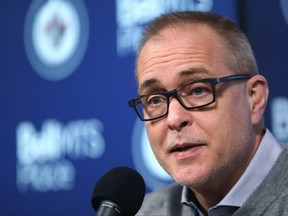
(219,162)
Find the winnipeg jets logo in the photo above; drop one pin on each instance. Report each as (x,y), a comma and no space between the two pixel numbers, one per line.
(56,36)
(55,29)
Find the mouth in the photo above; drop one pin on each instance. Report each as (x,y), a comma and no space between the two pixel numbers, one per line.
(184,147)
(186,151)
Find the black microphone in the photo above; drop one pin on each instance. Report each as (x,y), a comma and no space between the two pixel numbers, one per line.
(119,192)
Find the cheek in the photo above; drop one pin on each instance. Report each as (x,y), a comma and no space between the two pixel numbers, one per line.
(233,111)
(226,125)
(230,134)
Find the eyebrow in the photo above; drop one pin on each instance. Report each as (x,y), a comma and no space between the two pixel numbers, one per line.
(147,83)
(182,74)
(194,71)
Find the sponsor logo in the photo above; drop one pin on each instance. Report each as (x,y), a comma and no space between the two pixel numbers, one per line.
(45,158)
(56,37)
(132,15)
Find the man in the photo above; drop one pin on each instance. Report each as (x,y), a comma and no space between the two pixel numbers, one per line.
(202,100)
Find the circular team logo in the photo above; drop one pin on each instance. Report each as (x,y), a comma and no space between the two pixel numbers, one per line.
(144,159)
(56,36)
(284,8)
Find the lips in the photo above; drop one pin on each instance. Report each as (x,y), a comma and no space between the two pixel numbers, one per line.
(186,151)
(183,147)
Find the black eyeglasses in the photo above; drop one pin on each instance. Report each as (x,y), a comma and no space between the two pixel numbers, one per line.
(193,95)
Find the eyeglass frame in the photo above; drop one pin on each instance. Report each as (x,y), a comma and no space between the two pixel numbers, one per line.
(174,93)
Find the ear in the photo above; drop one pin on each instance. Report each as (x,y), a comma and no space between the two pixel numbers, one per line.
(258,96)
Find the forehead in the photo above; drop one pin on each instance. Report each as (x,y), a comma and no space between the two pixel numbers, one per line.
(179,49)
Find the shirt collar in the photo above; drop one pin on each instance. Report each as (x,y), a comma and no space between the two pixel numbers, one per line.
(262,162)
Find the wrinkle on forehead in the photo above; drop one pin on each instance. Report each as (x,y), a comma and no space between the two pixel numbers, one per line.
(170,37)
(169,55)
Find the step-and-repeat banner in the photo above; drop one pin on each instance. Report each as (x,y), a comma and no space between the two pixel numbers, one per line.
(66,74)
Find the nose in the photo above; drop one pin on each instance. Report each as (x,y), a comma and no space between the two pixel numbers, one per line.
(178,117)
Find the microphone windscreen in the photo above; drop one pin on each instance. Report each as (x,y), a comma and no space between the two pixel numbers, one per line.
(123,186)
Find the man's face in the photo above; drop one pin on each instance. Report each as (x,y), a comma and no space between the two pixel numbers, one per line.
(201,148)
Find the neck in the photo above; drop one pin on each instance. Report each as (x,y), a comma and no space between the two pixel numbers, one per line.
(209,197)
(216,189)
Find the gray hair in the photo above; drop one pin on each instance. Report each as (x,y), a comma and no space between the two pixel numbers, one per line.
(239,55)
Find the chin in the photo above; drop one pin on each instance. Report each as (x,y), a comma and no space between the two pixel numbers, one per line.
(191,178)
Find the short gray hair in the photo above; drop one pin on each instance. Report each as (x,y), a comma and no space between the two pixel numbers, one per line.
(239,55)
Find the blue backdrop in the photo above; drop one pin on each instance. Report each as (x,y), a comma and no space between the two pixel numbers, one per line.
(66,74)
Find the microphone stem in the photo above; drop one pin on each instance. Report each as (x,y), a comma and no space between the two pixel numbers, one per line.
(108,208)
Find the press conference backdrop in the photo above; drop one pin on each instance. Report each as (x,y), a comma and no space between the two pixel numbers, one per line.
(66,74)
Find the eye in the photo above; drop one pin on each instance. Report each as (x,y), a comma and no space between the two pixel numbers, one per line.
(155,100)
(199,91)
